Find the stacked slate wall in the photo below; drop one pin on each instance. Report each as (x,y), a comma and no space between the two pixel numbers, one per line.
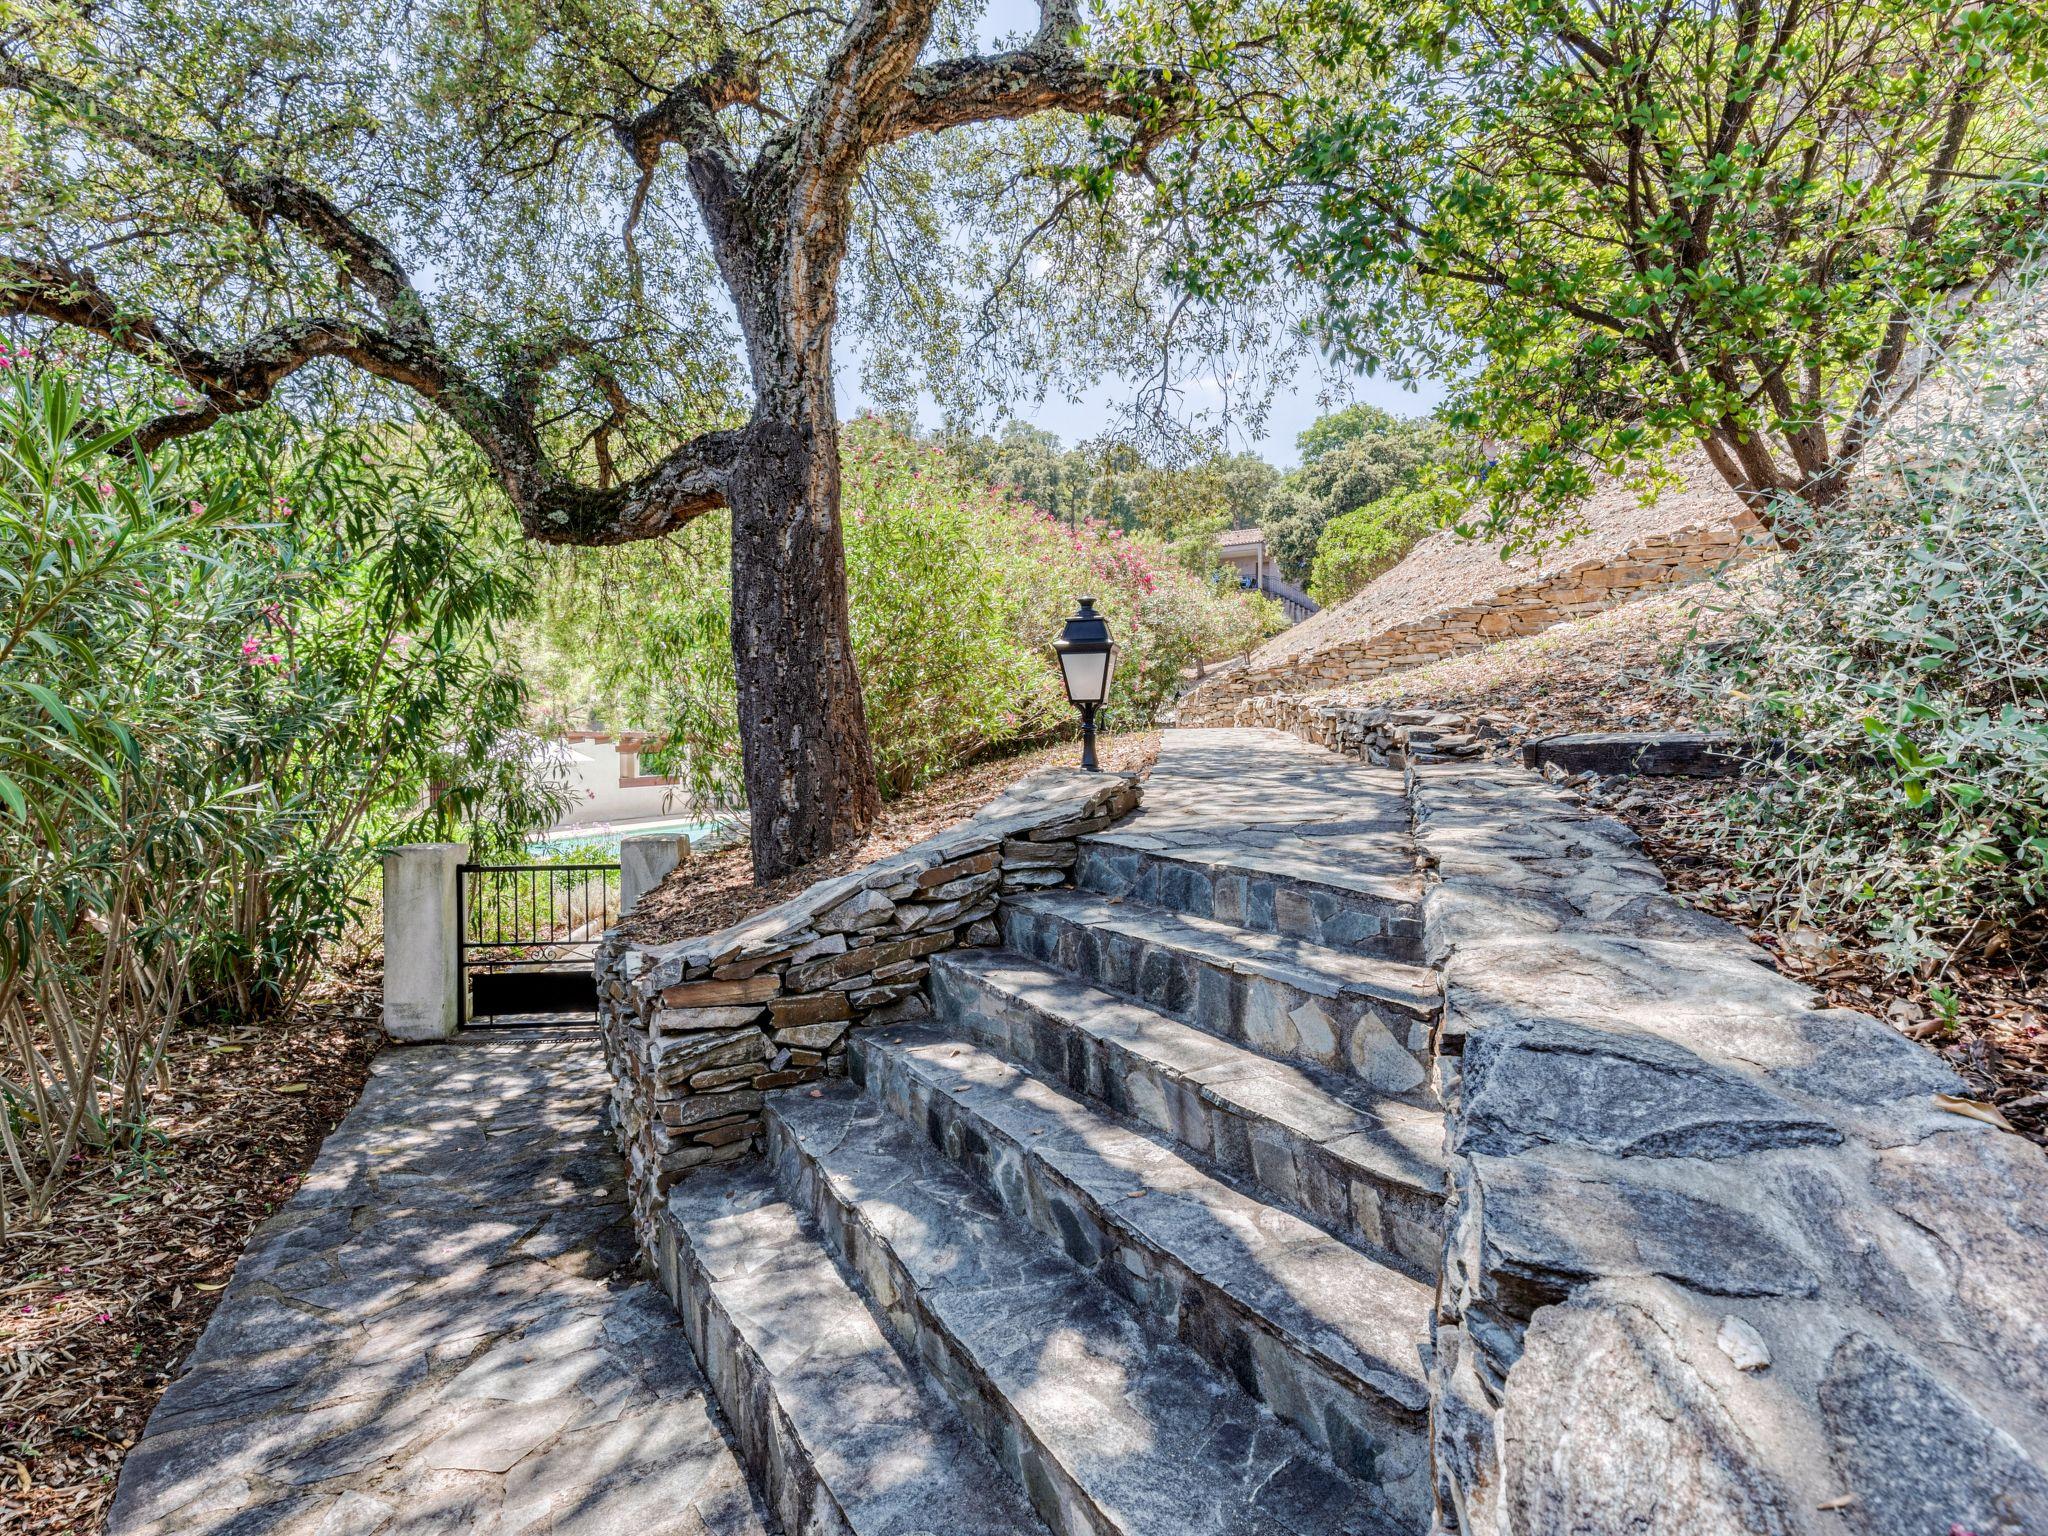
(1590,586)
(1718,1258)
(696,1031)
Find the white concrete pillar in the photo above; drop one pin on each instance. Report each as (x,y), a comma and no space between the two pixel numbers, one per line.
(644,862)
(422,968)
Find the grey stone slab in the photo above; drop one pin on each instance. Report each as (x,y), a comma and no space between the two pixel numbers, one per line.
(429,1315)
(829,1416)
(1542,1081)
(1320,891)
(1344,1314)
(1917,1454)
(1282,996)
(1312,968)
(1320,1142)
(1111,1428)
(1553,1220)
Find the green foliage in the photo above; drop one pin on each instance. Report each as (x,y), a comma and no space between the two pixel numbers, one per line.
(1357,546)
(1184,505)
(957,591)
(1626,228)
(1350,459)
(1356,423)
(224,676)
(113,839)
(1905,663)
(379,707)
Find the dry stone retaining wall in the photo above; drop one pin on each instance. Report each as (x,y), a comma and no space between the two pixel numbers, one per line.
(695,1032)
(1659,560)
(1381,734)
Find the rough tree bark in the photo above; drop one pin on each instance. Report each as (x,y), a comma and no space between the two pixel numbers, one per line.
(778,223)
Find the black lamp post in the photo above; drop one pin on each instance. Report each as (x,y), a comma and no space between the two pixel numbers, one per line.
(1087,660)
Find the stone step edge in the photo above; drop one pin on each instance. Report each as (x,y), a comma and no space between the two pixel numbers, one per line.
(1403,1393)
(1402,891)
(781,1453)
(1056,1489)
(1261,890)
(1359,1153)
(1416,992)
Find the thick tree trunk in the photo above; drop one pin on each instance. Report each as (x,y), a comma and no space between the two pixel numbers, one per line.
(810,772)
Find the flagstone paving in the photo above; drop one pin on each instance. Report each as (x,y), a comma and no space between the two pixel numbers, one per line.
(441,1332)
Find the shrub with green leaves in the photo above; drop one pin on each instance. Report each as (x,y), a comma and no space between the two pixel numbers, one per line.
(378,704)
(957,590)
(1358,546)
(1904,662)
(226,675)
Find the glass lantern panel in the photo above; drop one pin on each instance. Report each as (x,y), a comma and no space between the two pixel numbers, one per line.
(1087,675)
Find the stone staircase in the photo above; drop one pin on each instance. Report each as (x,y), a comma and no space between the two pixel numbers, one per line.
(1138,1235)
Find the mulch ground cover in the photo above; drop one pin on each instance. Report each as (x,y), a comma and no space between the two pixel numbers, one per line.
(706,894)
(1986,1017)
(100,1303)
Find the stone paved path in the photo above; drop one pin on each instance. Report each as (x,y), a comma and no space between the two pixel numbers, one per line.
(424,1339)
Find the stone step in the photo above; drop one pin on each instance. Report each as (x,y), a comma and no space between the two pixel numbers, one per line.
(1282,996)
(1368,1169)
(1350,891)
(835,1427)
(1111,1430)
(1328,1337)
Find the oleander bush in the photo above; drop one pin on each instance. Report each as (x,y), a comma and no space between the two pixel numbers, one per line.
(1904,665)
(957,591)
(228,673)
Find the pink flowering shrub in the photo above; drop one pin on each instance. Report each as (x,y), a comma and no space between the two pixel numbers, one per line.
(206,733)
(957,591)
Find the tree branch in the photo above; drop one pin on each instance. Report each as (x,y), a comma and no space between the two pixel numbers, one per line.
(258,197)
(685,485)
(1004,87)
(236,379)
(856,95)
(552,508)
(1891,353)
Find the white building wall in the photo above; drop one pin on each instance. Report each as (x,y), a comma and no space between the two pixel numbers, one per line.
(600,761)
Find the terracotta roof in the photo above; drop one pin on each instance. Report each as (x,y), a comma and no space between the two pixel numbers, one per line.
(1240,538)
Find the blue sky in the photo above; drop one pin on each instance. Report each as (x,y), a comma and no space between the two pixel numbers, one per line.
(1299,401)
(1294,406)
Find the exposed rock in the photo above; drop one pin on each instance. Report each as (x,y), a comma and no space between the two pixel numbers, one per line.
(1645,1118)
(1662,754)
(1607,1429)
(864,909)
(713,994)
(1742,1344)
(1529,1084)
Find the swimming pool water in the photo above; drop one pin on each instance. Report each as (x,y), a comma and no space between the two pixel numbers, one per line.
(602,837)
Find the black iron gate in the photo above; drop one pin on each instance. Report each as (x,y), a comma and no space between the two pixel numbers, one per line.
(527,941)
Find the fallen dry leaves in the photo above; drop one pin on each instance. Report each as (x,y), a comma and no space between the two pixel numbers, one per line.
(1995,1033)
(100,1303)
(707,894)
